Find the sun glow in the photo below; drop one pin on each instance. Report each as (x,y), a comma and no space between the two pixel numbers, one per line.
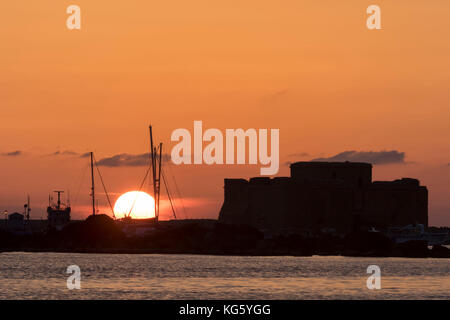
(141,204)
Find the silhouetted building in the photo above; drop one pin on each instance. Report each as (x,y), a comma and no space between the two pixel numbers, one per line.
(318,195)
(16,218)
(16,223)
(58,214)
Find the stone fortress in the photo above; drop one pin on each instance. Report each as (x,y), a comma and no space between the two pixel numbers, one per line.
(336,196)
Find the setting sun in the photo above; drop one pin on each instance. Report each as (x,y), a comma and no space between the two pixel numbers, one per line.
(141,204)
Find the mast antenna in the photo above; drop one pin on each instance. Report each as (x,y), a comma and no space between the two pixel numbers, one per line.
(92,183)
(58,204)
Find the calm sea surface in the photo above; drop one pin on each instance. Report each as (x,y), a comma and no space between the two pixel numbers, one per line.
(122,276)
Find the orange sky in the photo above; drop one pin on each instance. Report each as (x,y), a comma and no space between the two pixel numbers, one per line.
(310,68)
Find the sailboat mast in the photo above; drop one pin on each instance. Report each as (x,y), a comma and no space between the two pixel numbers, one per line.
(159,173)
(28,207)
(93,185)
(153,157)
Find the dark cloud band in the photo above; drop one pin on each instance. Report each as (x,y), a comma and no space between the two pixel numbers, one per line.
(12,153)
(373,157)
(128,160)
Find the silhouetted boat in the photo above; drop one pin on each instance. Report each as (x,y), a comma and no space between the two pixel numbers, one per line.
(155,168)
(58,214)
(416,232)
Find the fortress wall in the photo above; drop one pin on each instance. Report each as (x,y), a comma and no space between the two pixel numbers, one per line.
(320,207)
(340,214)
(262,202)
(280,190)
(235,205)
(390,204)
(281,205)
(270,203)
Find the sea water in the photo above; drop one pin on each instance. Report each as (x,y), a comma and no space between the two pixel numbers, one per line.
(149,276)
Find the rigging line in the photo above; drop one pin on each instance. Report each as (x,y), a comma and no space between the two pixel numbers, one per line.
(166,182)
(104,188)
(168,194)
(137,194)
(178,190)
(150,183)
(83,173)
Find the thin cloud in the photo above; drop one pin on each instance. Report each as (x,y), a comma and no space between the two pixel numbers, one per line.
(373,157)
(274,98)
(128,160)
(12,153)
(65,153)
(279,94)
(69,153)
(300,154)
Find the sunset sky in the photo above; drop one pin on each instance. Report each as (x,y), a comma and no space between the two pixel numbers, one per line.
(309,68)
